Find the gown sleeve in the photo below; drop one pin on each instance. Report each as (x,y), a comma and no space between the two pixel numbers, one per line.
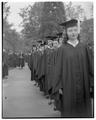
(91,69)
(57,72)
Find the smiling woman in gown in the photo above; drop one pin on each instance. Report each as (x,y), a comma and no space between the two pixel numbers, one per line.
(74,74)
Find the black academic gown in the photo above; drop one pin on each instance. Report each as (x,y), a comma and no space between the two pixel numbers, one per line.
(35,63)
(11,60)
(30,64)
(21,61)
(75,70)
(50,70)
(5,65)
(42,72)
(17,60)
(55,58)
(48,66)
(40,67)
(55,94)
(38,62)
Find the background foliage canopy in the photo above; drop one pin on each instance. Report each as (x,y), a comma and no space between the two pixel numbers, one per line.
(42,19)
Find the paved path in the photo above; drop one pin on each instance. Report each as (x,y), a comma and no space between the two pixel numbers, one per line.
(22,99)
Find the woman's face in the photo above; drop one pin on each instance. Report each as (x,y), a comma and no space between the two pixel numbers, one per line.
(61,40)
(55,43)
(34,48)
(72,33)
(50,43)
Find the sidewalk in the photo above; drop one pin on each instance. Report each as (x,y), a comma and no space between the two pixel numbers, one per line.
(22,99)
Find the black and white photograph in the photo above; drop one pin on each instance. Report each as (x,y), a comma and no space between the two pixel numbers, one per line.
(47,59)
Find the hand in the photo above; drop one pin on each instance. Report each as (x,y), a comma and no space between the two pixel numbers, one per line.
(60,91)
(92,92)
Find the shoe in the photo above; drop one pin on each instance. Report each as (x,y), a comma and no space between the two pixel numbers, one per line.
(6,77)
(55,109)
(47,96)
(50,103)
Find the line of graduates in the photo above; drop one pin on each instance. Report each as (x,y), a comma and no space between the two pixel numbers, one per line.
(65,72)
(11,60)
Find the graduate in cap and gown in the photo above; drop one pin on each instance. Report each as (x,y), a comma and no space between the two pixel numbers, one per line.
(17,59)
(60,38)
(5,64)
(39,67)
(31,62)
(42,71)
(35,63)
(11,59)
(74,74)
(56,95)
(49,64)
(21,60)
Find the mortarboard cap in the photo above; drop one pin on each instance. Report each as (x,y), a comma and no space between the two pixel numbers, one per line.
(4,50)
(39,41)
(51,37)
(45,42)
(70,23)
(59,34)
(33,45)
(42,44)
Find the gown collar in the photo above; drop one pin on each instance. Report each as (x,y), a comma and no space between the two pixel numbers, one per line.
(73,44)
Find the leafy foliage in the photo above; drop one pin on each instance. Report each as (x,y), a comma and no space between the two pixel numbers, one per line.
(74,11)
(31,17)
(6,10)
(41,19)
(10,37)
(53,13)
(87,32)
